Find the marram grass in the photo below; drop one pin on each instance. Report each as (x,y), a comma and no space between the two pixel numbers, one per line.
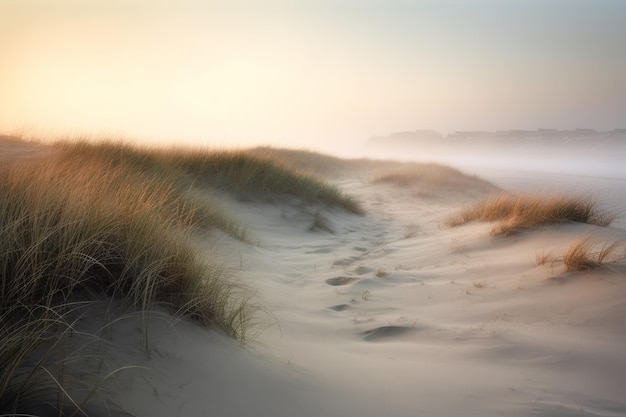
(87,223)
(237,172)
(586,254)
(514,212)
(73,231)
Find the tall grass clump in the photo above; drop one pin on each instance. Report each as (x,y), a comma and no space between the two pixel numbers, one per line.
(585,254)
(514,212)
(80,230)
(90,223)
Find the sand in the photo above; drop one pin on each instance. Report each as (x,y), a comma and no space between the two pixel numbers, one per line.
(393,314)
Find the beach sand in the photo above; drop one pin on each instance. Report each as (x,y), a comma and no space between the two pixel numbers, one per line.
(395,314)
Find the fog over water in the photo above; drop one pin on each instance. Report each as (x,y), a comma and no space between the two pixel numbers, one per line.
(588,162)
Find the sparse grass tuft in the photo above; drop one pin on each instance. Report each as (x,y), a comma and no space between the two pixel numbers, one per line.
(580,256)
(514,212)
(542,258)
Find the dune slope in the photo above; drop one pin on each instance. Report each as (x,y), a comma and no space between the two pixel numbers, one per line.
(390,312)
(394,313)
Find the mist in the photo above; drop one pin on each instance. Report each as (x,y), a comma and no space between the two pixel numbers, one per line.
(368,296)
(328,77)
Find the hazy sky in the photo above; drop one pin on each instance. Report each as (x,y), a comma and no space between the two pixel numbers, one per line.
(309,72)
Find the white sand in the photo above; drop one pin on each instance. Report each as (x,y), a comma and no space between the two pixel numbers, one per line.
(430,321)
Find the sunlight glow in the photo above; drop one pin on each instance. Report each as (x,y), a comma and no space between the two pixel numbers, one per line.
(315,71)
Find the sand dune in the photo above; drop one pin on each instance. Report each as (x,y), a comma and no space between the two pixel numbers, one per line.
(395,314)
(390,313)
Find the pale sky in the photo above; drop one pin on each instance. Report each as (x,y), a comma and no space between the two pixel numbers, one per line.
(309,72)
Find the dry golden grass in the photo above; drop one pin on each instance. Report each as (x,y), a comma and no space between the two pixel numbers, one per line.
(542,258)
(87,222)
(75,233)
(243,172)
(514,212)
(586,254)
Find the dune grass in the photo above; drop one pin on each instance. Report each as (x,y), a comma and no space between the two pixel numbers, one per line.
(515,212)
(542,258)
(586,254)
(91,222)
(238,172)
(74,232)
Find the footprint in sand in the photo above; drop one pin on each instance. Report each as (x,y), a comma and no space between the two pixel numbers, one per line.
(340,307)
(362,270)
(383,333)
(321,250)
(337,281)
(346,261)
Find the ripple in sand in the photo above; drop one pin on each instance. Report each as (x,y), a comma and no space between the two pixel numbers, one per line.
(340,281)
(386,332)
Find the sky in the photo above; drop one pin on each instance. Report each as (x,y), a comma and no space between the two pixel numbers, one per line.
(308,73)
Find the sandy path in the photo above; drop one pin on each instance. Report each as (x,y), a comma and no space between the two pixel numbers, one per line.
(396,315)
